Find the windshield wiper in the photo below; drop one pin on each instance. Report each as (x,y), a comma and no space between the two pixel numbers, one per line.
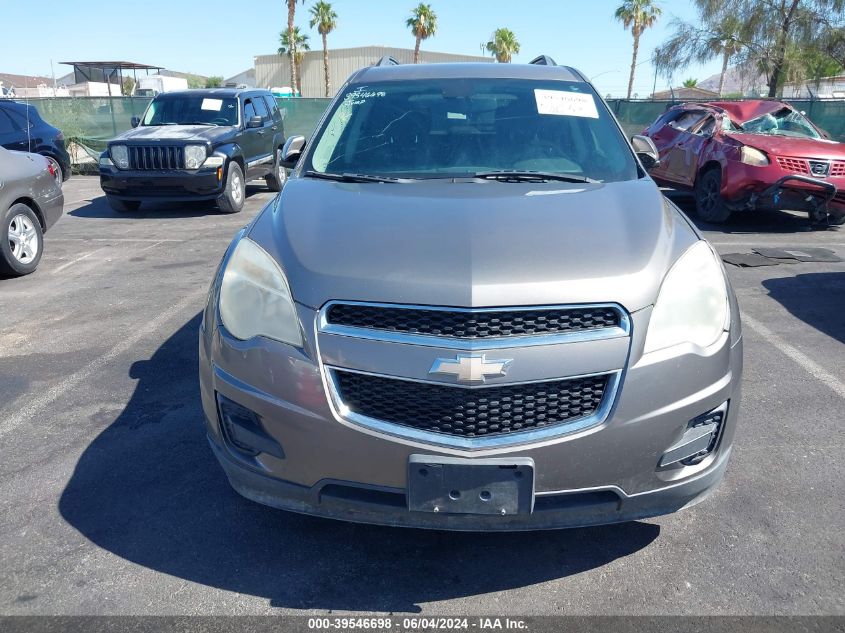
(354,177)
(199,123)
(530,176)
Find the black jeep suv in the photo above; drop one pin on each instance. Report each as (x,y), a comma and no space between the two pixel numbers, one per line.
(196,145)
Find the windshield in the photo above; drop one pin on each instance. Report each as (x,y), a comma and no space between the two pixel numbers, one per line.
(784,122)
(443,128)
(190,110)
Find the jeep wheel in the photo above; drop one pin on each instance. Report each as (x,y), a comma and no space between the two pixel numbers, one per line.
(709,204)
(123,206)
(232,200)
(22,241)
(276,180)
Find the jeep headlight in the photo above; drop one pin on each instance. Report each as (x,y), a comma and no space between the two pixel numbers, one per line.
(194,156)
(120,156)
(692,306)
(255,299)
(752,156)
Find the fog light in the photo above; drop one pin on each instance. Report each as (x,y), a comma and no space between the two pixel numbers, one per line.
(244,431)
(219,174)
(699,440)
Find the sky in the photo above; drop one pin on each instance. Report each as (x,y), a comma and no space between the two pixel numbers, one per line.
(221,37)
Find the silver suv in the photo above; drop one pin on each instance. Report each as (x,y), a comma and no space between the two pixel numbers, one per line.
(470,308)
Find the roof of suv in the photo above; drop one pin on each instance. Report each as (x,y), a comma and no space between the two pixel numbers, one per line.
(220,93)
(466,70)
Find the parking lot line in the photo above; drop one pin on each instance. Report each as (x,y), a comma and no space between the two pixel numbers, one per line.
(812,367)
(78,259)
(38,403)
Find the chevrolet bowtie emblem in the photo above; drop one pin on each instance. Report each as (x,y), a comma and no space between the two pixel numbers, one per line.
(469,368)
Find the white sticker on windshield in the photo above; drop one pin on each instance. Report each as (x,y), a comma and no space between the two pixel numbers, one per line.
(565,103)
(212,104)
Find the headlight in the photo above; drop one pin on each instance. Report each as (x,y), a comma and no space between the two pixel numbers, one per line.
(120,156)
(751,156)
(255,299)
(194,156)
(692,306)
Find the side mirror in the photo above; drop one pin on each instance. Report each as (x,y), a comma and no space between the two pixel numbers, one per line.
(646,151)
(255,121)
(135,121)
(292,150)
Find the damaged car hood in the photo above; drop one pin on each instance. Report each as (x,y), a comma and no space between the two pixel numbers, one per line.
(473,244)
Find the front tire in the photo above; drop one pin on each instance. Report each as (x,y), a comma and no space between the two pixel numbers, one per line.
(276,180)
(123,206)
(232,200)
(22,241)
(709,204)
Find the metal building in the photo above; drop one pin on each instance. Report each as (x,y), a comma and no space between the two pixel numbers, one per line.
(274,70)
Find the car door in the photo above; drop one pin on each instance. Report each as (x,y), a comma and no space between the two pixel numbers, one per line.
(263,160)
(681,155)
(277,125)
(251,140)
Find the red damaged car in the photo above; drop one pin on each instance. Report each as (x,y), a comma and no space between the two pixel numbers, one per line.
(746,155)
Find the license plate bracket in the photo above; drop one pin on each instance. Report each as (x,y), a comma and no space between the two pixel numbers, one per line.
(453,485)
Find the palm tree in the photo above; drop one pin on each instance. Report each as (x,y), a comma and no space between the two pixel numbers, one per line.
(295,49)
(423,24)
(325,19)
(719,36)
(638,15)
(291,4)
(690,83)
(503,45)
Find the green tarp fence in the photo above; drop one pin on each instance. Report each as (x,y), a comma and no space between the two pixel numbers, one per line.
(92,121)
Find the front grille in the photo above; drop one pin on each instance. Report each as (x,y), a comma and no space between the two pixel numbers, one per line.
(473,325)
(470,412)
(149,157)
(803,166)
(795,165)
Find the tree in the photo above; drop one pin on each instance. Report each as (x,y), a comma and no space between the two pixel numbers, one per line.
(325,19)
(777,38)
(690,83)
(712,36)
(423,24)
(295,48)
(637,15)
(128,86)
(215,81)
(291,4)
(503,45)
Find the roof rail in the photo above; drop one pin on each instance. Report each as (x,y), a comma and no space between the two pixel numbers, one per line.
(543,60)
(387,60)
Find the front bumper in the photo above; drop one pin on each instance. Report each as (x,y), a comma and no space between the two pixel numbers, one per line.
(331,467)
(164,185)
(747,187)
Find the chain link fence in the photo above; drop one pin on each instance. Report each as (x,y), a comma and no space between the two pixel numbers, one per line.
(89,122)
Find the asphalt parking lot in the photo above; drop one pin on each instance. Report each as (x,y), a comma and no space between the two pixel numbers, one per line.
(112,503)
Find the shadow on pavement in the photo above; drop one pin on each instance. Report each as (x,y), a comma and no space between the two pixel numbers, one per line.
(149,490)
(818,299)
(99,208)
(750,222)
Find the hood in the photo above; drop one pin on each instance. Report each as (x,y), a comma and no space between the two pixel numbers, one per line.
(792,146)
(473,244)
(199,133)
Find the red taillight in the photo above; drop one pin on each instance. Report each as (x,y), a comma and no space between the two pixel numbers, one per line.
(51,169)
